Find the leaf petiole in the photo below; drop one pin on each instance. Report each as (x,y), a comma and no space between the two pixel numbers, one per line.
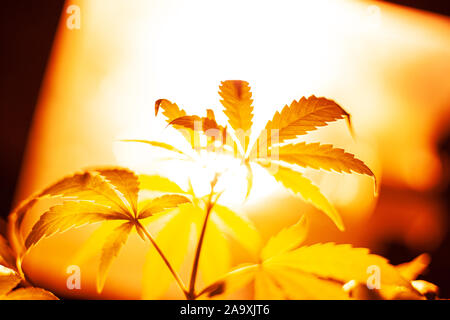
(166,261)
(191,293)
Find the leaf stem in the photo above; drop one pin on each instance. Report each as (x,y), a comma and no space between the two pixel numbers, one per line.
(25,281)
(166,261)
(191,293)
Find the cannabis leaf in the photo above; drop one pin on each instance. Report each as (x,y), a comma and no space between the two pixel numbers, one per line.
(10,279)
(418,290)
(300,185)
(287,271)
(317,156)
(237,101)
(121,202)
(158,145)
(270,148)
(98,195)
(300,117)
(171,111)
(286,240)
(411,270)
(111,249)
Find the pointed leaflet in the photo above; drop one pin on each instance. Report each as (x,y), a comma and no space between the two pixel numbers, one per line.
(339,262)
(286,240)
(198,123)
(110,250)
(68,215)
(427,289)
(157,144)
(126,182)
(29,293)
(411,270)
(237,101)
(189,122)
(87,185)
(209,127)
(300,117)
(158,183)
(310,272)
(239,227)
(302,186)
(160,204)
(317,156)
(172,112)
(283,283)
(298,285)
(267,287)
(94,243)
(9,279)
(237,278)
(156,277)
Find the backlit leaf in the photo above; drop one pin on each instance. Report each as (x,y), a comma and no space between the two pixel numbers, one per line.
(312,272)
(157,144)
(30,293)
(209,127)
(286,240)
(240,228)
(411,270)
(340,262)
(237,101)
(426,289)
(94,243)
(234,280)
(158,183)
(197,123)
(126,182)
(298,184)
(68,215)
(267,286)
(9,279)
(171,111)
(110,250)
(298,285)
(189,122)
(301,116)
(87,185)
(317,156)
(162,203)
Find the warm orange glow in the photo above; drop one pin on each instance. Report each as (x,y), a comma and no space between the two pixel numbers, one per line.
(389,67)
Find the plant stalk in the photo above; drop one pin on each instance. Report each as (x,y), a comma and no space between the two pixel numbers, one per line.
(166,261)
(191,293)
